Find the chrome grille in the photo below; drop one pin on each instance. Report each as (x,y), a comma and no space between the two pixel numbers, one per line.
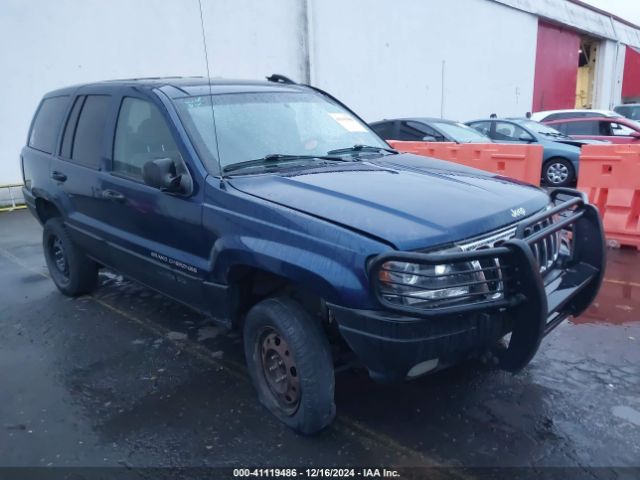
(545,251)
(491,269)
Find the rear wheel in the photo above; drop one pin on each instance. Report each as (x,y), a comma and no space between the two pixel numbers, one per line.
(558,172)
(70,269)
(290,364)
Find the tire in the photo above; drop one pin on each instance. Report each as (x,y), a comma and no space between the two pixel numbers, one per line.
(304,400)
(558,172)
(73,273)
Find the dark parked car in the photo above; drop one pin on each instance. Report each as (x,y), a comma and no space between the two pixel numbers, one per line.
(274,209)
(611,130)
(427,130)
(629,110)
(561,154)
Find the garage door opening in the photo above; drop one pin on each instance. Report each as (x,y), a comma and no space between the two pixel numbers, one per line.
(631,78)
(557,61)
(587,56)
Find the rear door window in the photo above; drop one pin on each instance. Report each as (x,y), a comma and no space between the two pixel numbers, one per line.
(89,133)
(511,132)
(482,127)
(46,124)
(415,132)
(561,127)
(589,127)
(385,129)
(426,130)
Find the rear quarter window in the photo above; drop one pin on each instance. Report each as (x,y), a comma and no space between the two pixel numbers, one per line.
(46,123)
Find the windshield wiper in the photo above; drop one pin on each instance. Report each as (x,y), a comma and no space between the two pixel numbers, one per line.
(361,148)
(276,158)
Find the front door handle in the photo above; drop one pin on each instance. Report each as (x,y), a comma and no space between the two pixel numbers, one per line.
(113,196)
(58,176)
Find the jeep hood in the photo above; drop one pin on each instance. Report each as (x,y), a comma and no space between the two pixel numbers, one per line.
(409,201)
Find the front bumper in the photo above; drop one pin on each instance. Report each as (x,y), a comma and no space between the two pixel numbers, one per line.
(392,340)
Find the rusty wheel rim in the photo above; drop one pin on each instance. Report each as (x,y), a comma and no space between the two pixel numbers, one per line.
(58,255)
(280,370)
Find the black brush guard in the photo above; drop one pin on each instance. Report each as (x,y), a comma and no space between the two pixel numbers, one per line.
(537,302)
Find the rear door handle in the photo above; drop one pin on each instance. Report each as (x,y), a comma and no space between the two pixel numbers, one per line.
(113,196)
(58,176)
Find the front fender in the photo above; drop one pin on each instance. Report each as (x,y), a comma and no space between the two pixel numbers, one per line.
(331,279)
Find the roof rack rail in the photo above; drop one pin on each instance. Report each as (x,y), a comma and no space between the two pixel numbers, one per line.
(277,78)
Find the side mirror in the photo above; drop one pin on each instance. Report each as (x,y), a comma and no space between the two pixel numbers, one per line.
(526,138)
(429,138)
(161,174)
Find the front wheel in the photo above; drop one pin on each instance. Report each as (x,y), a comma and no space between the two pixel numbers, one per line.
(290,364)
(558,172)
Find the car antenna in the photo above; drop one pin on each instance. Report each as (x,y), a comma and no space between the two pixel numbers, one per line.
(213,116)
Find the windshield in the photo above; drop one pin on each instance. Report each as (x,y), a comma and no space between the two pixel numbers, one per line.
(461,133)
(251,126)
(540,128)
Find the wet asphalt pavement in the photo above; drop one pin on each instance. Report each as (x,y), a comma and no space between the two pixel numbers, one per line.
(126,377)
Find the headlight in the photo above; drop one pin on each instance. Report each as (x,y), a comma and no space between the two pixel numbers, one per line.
(411,284)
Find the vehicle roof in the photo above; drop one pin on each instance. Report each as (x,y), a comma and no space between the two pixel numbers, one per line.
(417,119)
(177,87)
(511,119)
(515,120)
(589,119)
(566,110)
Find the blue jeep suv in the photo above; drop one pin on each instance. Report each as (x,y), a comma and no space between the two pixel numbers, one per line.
(275,209)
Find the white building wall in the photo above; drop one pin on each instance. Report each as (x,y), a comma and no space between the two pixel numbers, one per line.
(385,59)
(459,59)
(50,44)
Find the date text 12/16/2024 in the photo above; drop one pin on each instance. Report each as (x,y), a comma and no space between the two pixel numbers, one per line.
(316,472)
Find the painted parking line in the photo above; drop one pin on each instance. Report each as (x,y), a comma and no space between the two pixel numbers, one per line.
(12,258)
(365,435)
(622,282)
(346,424)
(202,353)
(11,209)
